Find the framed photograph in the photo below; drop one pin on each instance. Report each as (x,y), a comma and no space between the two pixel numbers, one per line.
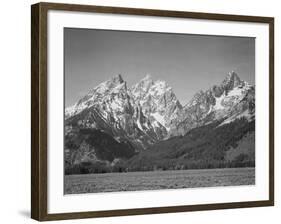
(141,111)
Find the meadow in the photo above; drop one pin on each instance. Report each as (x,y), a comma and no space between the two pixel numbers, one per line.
(156,180)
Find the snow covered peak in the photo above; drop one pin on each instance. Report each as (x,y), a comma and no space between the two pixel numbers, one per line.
(232,85)
(157,101)
(147,78)
(148,88)
(232,75)
(161,83)
(147,81)
(231,81)
(160,87)
(143,86)
(118,79)
(229,99)
(112,86)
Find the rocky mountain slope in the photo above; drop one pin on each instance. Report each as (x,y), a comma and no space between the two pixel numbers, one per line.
(232,99)
(141,114)
(157,101)
(137,118)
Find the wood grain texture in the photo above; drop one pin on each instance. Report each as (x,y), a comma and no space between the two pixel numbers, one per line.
(271,111)
(154,12)
(38,112)
(39,206)
(34,113)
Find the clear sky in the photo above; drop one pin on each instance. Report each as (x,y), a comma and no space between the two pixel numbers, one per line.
(188,63)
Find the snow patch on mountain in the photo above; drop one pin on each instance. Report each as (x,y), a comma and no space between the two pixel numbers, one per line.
(158,117)
(245,114)
(218,105)
(231,99)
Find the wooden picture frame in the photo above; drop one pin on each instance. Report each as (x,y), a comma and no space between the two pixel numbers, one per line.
(39,110)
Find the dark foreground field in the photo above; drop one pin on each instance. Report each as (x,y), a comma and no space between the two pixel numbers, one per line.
(133,181)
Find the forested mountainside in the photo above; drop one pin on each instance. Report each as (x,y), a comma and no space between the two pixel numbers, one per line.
(116,128)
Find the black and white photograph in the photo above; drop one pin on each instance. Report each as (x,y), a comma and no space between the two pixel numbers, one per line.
(153,111)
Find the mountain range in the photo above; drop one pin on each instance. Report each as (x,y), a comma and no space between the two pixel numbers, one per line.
(116,124)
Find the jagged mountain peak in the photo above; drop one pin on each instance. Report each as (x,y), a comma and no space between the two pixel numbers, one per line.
(148,86)
(233,98)
(151,110)
(148,77)
(157,101)
(117,79)
(160,87)
(233,75)
(111,83)
(143,85)
(147,81)
(116,82)
(98,94)
(231,81)
(161,83)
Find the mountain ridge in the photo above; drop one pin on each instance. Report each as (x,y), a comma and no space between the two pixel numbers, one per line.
(155,110)
(136,118)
